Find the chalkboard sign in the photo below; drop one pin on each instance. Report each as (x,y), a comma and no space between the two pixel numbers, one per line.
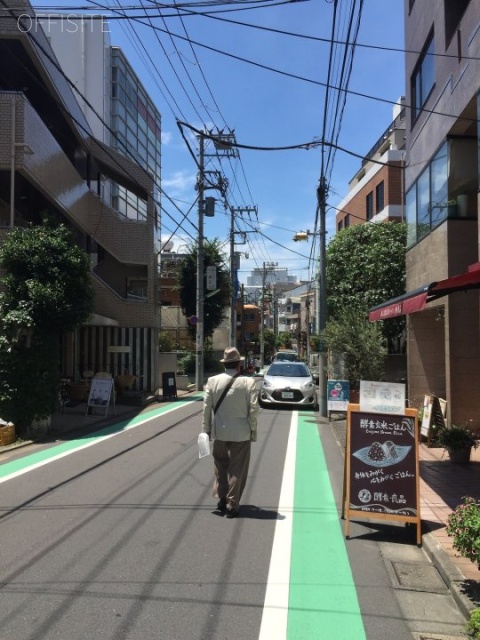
(169,385)
(100,394)
(382,467)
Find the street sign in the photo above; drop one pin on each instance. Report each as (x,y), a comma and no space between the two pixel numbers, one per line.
(193,320)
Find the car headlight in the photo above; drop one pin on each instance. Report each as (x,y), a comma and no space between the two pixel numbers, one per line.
(307,385)
(267,383)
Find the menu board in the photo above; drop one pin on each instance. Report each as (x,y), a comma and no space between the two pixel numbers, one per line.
(100,394)
(382,467)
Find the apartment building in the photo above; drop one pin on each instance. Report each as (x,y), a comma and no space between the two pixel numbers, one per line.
(52,163)
(441,187)
(376,191)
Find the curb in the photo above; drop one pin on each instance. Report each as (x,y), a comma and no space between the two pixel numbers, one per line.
(450,573)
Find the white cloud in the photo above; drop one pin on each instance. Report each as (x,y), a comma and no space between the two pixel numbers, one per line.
(179,183)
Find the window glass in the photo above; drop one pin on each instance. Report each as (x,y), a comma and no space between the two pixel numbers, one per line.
(439,185)
(423,204)
(411,216)
(423,78)
(428,71)
(380,195)
(369,205)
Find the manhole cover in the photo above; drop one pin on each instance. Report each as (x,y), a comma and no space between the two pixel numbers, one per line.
(418,577)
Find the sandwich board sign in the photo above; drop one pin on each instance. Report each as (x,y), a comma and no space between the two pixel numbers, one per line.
(381,480)
(101,393)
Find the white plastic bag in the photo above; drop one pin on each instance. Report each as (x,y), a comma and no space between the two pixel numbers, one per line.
(203,445)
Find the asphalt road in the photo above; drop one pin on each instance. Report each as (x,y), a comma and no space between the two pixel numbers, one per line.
(114,535)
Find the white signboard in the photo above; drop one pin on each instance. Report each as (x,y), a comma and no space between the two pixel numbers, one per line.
(382,397)
(100,393)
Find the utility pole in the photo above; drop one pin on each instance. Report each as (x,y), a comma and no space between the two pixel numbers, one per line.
(262,319)
(200,267)
(322,311)
(206,206)
(234,266)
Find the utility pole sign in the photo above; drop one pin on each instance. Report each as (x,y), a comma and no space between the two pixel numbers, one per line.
(211,277)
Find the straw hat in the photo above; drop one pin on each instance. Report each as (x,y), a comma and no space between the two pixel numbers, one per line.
(231,355)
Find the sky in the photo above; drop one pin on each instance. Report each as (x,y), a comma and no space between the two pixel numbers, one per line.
(260,70)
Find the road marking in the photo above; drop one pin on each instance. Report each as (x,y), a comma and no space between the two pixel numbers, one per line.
(323,601)
(16,468)
(275,608)
(310,591)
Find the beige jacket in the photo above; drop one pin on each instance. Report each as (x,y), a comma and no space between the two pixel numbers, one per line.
(236,418)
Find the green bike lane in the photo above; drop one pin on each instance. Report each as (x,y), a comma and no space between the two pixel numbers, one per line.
(29,462)
(315,595)
(311,594)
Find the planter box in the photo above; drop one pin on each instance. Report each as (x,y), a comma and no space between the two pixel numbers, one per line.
(7,435)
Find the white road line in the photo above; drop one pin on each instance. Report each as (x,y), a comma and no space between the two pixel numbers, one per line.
(275,607)
(74,446)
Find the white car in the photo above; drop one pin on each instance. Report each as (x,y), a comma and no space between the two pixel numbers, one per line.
(288,383)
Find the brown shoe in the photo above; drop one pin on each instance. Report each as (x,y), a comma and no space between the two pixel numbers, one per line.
(231,513)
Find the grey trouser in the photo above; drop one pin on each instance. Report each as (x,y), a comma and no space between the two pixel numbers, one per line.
(231,461)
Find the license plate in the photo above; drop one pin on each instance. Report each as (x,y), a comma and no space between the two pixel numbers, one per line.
(287,395)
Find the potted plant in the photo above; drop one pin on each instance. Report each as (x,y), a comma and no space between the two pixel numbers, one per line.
(458,441)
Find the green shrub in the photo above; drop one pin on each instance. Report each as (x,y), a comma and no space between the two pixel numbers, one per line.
(473,624)
(29,381)
(211,364)
(464,526)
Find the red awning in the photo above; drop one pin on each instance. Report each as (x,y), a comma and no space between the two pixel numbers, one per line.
(417,299)
(468,280)
(408,303)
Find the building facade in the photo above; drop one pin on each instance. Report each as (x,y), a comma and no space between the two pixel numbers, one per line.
(51,163)
(441,187)
(376,190)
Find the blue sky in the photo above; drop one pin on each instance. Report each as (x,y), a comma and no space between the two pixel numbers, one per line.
(212,73)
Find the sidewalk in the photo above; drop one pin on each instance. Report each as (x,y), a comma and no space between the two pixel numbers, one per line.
(442,487)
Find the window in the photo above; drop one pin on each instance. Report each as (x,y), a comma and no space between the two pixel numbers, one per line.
(380,197)
(136,289)
(411,216)
(423,204)
(454,10)
(340,225)
(439,185)
(347,221)
(423,78)
(429,200)
(369,205)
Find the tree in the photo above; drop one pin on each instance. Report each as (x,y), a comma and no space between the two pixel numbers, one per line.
(365,267)
(285,340)
(46,291)
(359,343)
(214,305)
(47,283)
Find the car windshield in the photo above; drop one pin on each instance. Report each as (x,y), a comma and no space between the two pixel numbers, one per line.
(291,357)
(288,370)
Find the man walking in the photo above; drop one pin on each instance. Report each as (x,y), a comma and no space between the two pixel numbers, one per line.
(230,418)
